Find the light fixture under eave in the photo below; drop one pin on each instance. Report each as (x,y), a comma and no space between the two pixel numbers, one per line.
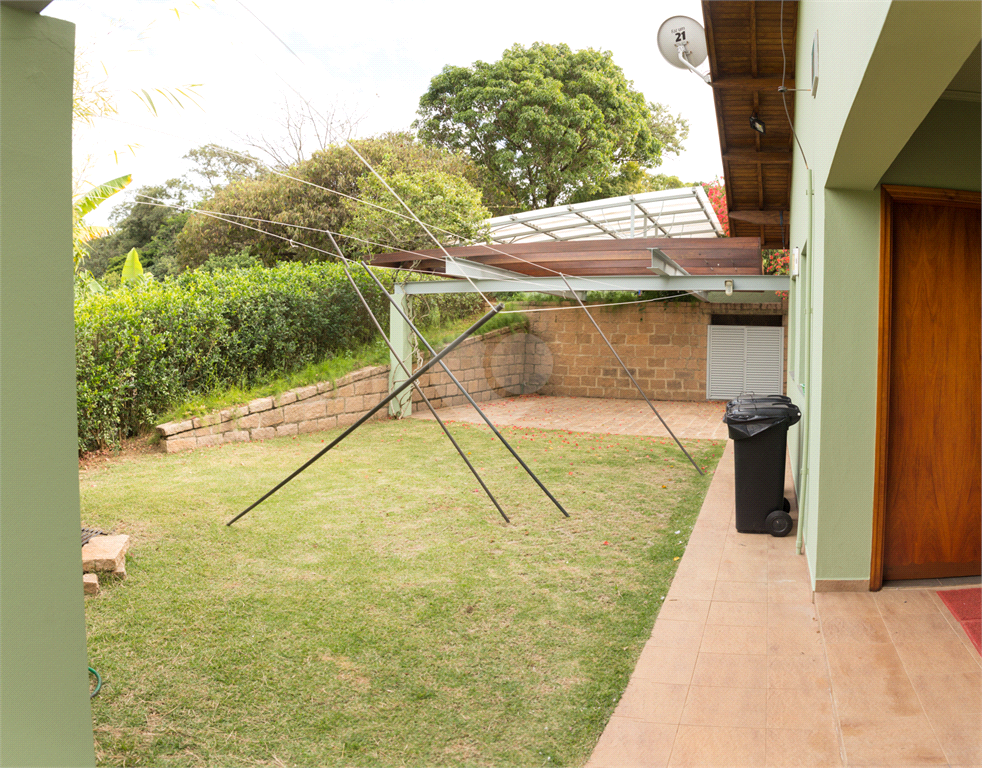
(757,124)
(729,287)
(682,43)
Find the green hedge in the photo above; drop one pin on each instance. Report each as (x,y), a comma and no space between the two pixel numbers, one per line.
(141,350)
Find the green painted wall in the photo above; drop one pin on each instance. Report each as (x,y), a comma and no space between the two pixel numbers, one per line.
(45,718)
(945,150)
(843,133)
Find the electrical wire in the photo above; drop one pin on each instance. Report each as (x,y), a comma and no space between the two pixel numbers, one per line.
(783,90)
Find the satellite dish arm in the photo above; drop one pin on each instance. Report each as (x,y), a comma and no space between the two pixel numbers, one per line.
(684,58)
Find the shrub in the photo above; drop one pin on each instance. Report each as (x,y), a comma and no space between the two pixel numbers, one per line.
(140,351)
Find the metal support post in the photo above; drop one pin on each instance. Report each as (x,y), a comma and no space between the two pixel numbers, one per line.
(399,335)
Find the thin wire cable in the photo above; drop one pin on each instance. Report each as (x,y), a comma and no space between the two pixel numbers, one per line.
(606,285)
(227,218)
(634,381)
(784,99)
(223,216)
(608,304)
(401,215)
(418,221)
(416,386)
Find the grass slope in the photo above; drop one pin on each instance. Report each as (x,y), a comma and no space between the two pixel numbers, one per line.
(377,610)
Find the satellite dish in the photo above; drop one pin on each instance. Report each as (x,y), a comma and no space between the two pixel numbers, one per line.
(682,42)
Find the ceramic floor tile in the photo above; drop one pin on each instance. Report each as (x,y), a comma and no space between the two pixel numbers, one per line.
(912,627)
(855,661)
(666,665)
(904,601)
(684,609)
(788,592)
(845,604)
(629,743)
(788,569)
(961,739)
(693,589)
(719,638)
(740,592)
(676,634)
(738,614)
(730,670)
(709,747)
(791,640)
(803,749)
(936,656)
(896,741)
(799,615)
(798,671)
(949,694)
(725,707)
(800,708)
(744,571)
(855,629)
(652,702)
(875,696)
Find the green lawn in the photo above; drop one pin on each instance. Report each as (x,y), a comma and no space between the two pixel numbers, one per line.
(377,610)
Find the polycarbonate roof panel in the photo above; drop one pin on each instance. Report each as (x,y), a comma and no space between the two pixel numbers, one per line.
(684,212)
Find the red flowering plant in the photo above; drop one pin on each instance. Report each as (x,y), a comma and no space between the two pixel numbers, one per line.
(777,263)
(716,192)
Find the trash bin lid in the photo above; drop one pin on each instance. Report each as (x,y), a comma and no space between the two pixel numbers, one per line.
(749,419)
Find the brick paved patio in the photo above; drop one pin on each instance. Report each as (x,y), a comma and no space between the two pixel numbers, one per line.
(694,420)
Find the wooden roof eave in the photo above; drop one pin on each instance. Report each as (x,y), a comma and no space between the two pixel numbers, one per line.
(747,67)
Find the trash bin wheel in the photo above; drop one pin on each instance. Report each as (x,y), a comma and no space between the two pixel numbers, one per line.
(778,523)
(787,505)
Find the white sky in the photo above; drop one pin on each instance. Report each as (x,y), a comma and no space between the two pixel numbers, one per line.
(375,59)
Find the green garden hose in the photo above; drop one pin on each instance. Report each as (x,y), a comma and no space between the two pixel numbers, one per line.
(98,682)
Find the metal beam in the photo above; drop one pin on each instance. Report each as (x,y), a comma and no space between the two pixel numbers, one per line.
(475,271)
(606,282)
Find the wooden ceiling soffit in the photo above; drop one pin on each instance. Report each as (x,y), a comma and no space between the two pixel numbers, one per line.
(747,67)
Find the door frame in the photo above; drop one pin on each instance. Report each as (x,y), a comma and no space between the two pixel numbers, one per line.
(890,194)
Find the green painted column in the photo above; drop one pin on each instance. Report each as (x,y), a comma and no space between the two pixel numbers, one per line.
(45,715)
(399,335)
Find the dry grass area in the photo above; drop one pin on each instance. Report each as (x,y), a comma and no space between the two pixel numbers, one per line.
(377,610)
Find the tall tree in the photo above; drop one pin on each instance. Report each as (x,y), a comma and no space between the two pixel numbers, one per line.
(546,121)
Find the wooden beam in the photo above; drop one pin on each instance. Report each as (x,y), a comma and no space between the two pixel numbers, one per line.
(772,218)
(752,156)
(738,83)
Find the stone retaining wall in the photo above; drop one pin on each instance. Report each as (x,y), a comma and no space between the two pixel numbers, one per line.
(664,345)
(327,406)
(307,409)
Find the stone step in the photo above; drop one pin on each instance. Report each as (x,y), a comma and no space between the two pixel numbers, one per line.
(105,553)
(90,583)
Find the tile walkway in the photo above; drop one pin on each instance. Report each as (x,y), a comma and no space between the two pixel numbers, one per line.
(699,420)
(746,667)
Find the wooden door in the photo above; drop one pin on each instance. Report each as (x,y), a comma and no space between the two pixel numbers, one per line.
(928,503)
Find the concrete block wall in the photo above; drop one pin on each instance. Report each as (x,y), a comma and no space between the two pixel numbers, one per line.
(663,344)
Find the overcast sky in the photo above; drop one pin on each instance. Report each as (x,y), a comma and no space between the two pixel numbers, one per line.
(373,60)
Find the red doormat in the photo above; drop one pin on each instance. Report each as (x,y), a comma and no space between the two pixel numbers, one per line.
(966,605)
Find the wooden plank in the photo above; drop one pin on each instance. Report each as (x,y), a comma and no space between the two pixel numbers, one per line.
(761,217)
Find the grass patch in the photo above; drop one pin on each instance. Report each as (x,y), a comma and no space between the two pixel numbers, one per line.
(377,610)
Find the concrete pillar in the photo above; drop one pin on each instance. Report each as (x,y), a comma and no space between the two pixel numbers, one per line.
(399,335)
(45,717)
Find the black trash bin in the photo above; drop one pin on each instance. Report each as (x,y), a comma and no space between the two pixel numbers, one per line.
(759,429)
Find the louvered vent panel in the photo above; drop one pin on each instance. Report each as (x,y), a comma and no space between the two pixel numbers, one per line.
(726,356)
(764,361)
